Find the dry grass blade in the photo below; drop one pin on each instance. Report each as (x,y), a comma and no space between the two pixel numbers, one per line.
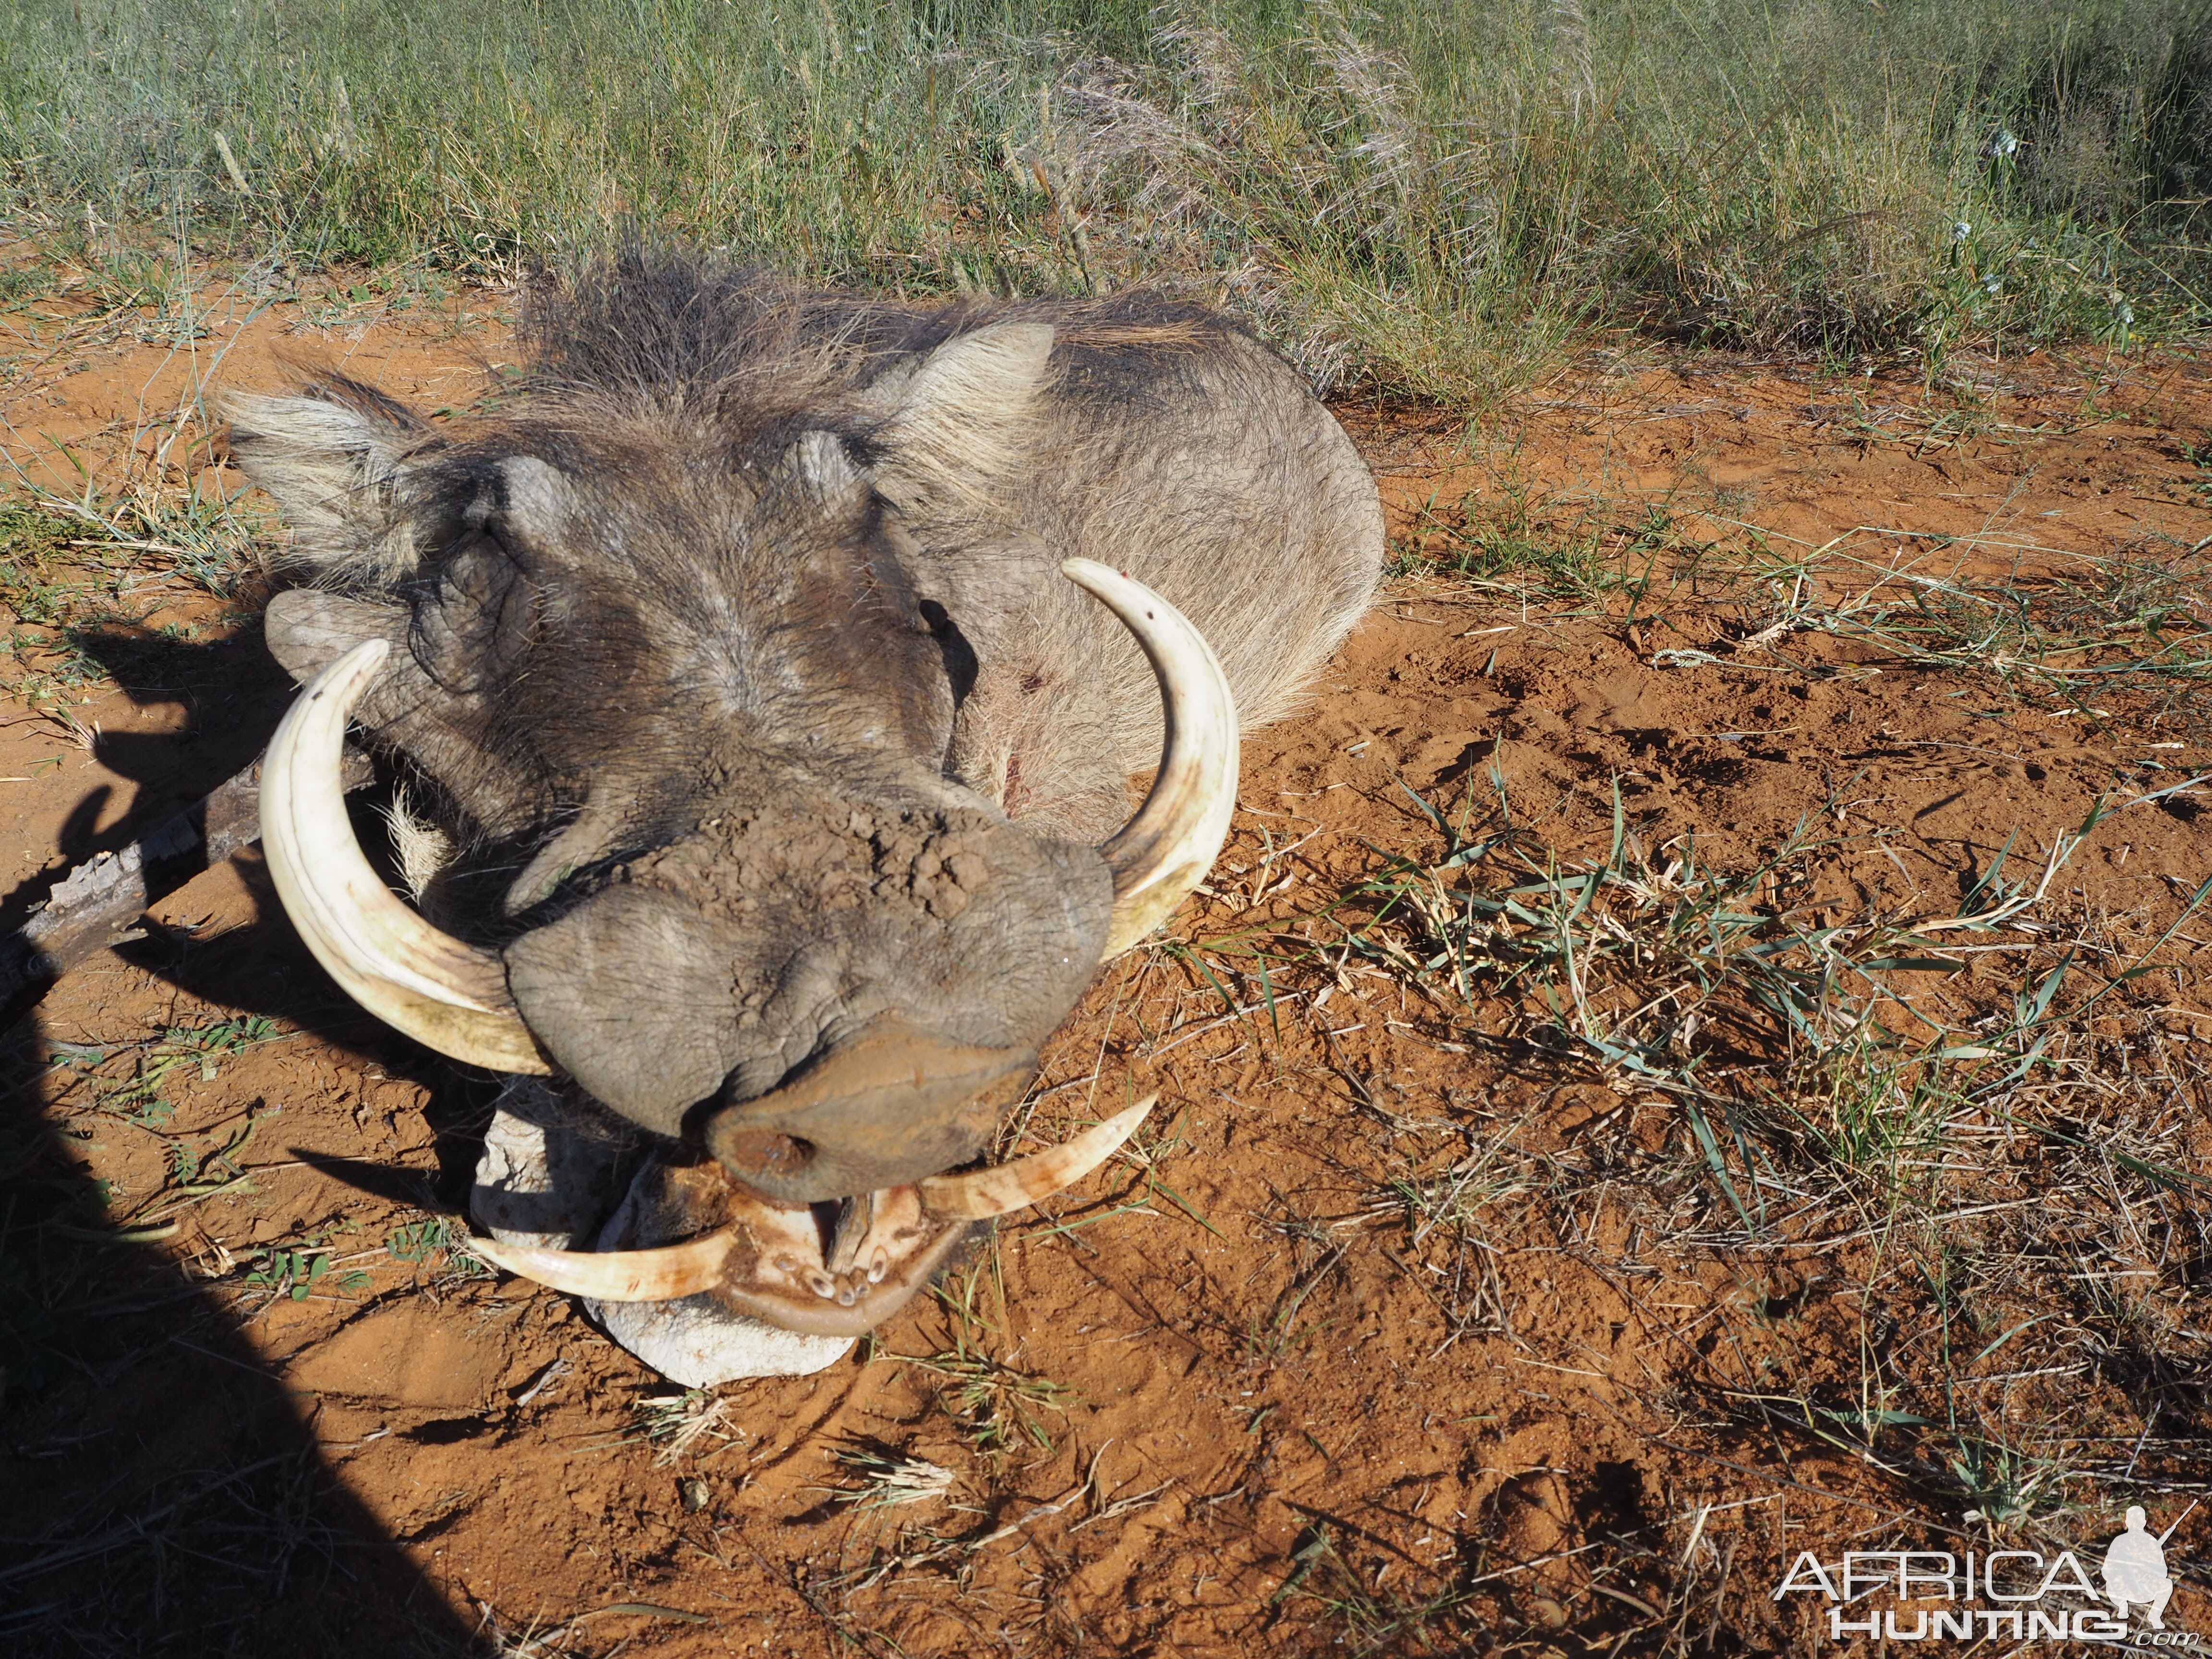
(890,1480)
(677,1423)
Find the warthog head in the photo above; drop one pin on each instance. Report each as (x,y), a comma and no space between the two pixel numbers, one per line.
(694,644)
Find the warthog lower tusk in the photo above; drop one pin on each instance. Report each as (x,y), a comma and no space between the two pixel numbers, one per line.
(1165,850)
(1008,1186)
(447,995)
(768,1264)
(661,1275)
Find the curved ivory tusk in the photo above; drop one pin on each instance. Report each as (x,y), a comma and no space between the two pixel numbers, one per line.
(1008,1186)
(914,1229)
(446,995)
(1165,850)
(658,1275)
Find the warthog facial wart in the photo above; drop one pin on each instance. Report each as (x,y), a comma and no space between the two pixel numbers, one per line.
(775,664)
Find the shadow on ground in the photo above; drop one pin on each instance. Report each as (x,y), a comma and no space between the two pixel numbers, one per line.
(165,1492)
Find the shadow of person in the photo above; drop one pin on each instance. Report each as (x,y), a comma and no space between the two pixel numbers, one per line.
(232,694)
(166,1493)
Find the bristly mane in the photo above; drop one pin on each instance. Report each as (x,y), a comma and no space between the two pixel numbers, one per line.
(651,328)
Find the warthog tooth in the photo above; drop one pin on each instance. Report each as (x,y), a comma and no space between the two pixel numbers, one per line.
(1165,850)
(446,995)
(656,1275)
(1008,1186)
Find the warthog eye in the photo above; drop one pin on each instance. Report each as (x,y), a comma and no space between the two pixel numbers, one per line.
(476,624)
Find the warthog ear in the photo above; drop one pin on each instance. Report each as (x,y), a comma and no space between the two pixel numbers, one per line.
(958,419)
(334,457)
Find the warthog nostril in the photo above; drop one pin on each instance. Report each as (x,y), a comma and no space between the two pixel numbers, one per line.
(765,1153)
(884,1107)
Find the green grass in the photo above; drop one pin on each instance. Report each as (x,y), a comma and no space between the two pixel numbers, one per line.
(1428,199)
(1373,1621)
(181,1055)
(995,1408)
(1932,1151)
(1788,1041)
(79,569)
(299,1271)
(419,1241)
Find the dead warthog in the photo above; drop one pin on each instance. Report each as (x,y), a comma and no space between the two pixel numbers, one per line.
(762,658)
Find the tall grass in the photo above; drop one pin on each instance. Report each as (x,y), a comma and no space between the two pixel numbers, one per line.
(1427,198)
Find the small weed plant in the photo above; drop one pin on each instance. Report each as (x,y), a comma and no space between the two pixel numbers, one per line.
(997,1408)
(300,1271)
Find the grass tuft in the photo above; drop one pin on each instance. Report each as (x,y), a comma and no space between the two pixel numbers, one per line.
(890,1480)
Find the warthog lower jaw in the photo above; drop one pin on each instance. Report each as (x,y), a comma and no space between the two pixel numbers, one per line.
(773,1263)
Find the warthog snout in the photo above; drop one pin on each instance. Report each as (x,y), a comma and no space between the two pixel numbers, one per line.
(869,1053)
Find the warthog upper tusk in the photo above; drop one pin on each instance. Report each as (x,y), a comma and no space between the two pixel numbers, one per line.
(658,1275)
(1009,1187)
(1165,850)
(449,996)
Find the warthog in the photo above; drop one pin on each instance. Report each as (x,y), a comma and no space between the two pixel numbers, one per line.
(761,655)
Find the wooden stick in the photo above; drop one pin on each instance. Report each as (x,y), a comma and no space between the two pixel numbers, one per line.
(97,903)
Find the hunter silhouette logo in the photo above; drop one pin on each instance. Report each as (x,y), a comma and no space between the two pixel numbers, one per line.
(2134,1568)
(2013,1594)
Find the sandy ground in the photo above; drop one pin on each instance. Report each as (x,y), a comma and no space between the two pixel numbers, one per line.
(1400,1334)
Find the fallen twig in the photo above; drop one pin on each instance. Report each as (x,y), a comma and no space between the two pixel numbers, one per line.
(95,904)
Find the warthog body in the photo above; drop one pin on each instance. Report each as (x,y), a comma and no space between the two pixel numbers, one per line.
(736,650)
